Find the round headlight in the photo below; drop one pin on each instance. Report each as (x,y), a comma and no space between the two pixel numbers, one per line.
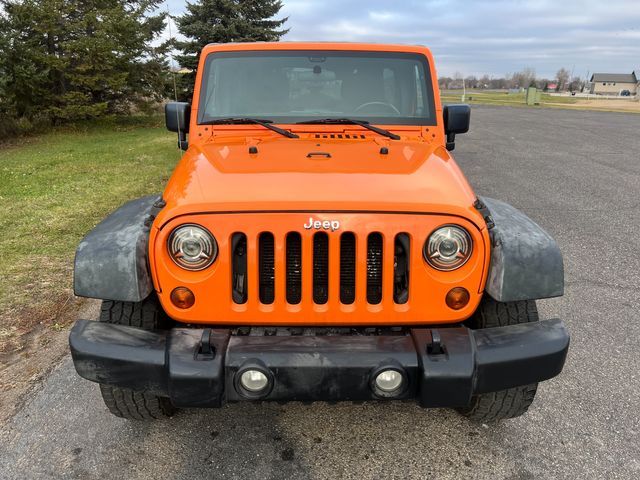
(192,247)
(448,248)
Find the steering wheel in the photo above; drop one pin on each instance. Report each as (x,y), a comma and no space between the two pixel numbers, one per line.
(383,104)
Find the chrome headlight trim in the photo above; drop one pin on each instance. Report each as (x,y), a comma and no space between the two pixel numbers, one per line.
(192,247)
(448,247)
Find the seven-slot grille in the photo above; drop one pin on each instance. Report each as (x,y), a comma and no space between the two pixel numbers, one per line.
(322,275)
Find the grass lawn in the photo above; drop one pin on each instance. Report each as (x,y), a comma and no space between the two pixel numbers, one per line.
(53,189)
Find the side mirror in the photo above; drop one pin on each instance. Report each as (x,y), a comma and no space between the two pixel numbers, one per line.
(456,120)
(176,115)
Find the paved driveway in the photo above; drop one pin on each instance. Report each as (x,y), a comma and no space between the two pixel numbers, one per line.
(575,173)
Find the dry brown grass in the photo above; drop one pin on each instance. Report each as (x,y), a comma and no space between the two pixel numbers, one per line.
(622,105)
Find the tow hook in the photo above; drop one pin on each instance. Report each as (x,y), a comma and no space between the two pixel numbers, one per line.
(205,348)
(435,348)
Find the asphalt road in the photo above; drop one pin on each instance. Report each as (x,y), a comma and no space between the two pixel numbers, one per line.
(575,173)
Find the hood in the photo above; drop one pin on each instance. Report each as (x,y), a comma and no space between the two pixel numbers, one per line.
(318,172)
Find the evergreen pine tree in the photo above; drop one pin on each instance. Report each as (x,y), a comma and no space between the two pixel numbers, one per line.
(222,21)
(4,105)
(75,59)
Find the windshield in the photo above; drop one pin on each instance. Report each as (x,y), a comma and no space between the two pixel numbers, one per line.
(296,86)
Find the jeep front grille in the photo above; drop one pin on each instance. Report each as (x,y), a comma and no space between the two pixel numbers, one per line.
(322,277)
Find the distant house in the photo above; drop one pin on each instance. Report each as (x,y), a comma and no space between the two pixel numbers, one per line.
(614,83)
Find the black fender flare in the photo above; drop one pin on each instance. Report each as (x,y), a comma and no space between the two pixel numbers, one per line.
(526,262)
(111,262)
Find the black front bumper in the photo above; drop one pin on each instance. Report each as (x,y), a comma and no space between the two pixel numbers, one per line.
(442,367)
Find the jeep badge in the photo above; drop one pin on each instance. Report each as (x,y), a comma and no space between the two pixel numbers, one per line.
(332,225)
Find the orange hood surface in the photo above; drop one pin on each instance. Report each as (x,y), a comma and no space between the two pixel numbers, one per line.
(318,173)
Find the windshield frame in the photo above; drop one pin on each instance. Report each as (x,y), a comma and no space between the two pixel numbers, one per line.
(430,103)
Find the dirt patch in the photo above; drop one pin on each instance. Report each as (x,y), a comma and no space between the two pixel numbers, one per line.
(608,105)
(30,355)
(49,310)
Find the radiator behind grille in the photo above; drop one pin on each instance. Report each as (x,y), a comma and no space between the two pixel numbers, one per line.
(294,268)
(320,268)
(347,268)
(266,263)
(374,268)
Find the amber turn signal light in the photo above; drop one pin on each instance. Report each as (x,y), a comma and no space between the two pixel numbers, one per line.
(457,298)
(182,297)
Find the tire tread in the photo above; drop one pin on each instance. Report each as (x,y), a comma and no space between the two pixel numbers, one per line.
(513,402)
(124,402)
(132,405)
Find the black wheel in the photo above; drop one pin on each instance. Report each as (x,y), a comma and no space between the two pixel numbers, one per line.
(494,406)
(124,402)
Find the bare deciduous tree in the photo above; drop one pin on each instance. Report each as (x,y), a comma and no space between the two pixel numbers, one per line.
(523,78)
(562,76)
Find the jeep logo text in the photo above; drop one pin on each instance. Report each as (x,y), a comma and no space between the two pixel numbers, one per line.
(332,225)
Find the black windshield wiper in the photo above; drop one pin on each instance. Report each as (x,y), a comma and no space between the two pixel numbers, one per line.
(351,121)
(250,120)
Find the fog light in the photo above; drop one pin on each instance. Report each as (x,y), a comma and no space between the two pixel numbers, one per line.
(389,380)
(457,298)
(182,297)
(254,380)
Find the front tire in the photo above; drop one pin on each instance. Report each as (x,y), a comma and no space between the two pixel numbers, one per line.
(513,402)
(132,405)
(124,402)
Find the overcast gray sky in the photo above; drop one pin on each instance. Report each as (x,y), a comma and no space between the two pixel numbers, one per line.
(487,36)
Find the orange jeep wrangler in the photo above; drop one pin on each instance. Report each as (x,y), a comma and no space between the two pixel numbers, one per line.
(318,242)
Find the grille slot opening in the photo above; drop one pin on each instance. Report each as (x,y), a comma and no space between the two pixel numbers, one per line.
(347,268)
(266,270)
(374,268)
(401,268)
(239,268)
(294,268)
(320,268)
